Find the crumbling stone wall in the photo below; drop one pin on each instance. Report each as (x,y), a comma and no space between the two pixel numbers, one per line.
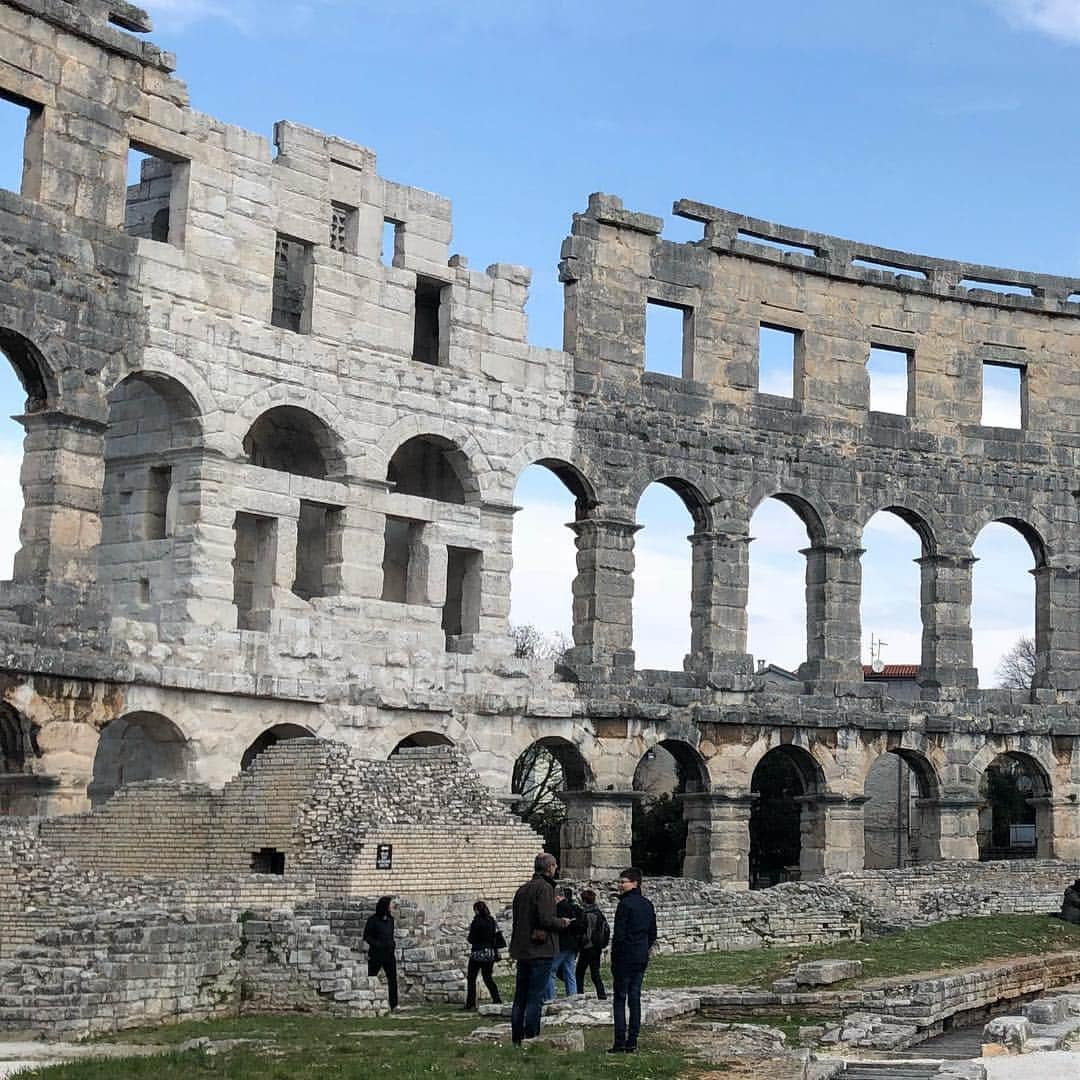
(270,469)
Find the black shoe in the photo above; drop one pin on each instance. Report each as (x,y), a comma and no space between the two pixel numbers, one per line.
(630,1049)
(617,1050)
(468,1008)
(601,997)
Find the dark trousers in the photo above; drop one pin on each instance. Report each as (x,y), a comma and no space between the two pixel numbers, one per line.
(626,987)
(388,963)
(476,968)
(589,959)
(528,998)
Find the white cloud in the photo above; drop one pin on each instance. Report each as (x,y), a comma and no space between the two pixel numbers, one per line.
(178,14)
(1058,18)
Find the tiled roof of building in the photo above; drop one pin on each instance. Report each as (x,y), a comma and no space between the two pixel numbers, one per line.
(891,671)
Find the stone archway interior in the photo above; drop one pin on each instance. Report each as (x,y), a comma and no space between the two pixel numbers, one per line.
(900,828)
(420,739)
(271,737)
(778,818)
(142,746)
(1011,788)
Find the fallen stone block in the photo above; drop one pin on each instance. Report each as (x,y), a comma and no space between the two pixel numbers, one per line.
(826,972)
(1051,1010)
(1012,1032)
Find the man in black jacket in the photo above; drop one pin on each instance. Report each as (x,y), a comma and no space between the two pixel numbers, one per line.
(533,944)
(635,935)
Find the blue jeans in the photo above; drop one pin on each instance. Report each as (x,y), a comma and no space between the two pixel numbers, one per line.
(528,998)
(563,965)
(627,991)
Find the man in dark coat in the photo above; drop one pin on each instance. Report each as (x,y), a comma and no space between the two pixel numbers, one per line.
(1070,906)
(634,936)
(533,943)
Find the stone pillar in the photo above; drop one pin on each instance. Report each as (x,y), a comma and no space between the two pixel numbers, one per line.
(719,590)
(833,632)
(844,833)
(596,835)
(604,592)
(363,538)
(717,838)
(62,474)
(1057,828)
(947,659)
(958,816)
(1057,628)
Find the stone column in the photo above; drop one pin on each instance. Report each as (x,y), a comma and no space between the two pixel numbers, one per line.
(718,838)
(1057,628)
(844,833)
(946,617)
(719,590)
(604,592)
(959,825)
(596,835)
(833,632)
(1057,828)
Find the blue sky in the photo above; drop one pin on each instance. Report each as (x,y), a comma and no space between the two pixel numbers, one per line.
(938,127)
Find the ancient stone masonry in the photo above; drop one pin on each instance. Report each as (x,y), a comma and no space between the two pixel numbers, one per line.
(269,473)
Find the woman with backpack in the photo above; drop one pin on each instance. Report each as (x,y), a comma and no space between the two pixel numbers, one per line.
(382,949)
(485,940)
(595,936)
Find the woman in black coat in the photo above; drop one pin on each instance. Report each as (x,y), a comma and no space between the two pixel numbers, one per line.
(485,940)
(379,935)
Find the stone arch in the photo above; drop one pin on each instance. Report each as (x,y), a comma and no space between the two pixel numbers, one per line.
(809,506)
(787,826)
(694,491)
(1016,815)
(432,467)
(421,739)
(31,368)
(901,821)
(1030,524)
(924,521)
(563,460)
(295,440)
(271,737)
(18,743)
(572,478)
(184,380)
(138,746)
(473,459)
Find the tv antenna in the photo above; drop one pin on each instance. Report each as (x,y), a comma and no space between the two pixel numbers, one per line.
(877,666)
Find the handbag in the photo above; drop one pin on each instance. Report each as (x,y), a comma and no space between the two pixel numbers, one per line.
(486,955)
(500,941)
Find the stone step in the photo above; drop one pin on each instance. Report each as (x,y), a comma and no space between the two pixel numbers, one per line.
(889,1070)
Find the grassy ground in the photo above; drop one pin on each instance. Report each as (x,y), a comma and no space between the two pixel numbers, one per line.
(425,1041)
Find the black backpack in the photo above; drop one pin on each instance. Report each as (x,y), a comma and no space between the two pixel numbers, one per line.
(597,934)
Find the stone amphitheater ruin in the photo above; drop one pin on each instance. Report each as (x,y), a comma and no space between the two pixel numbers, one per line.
(269,481)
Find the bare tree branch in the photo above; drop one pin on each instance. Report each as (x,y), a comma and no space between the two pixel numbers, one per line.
(1017,668)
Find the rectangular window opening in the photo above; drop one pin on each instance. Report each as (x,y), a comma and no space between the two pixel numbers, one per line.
(390,241)
(293,279)
(887,267)
(155,205)
(1004,391)
(890,379)
(144,591)
(318,551)
(778,356)
(343,228)
(268,860)
(782,246)
(159,503)
(253,570)
(21,131)
(401,539)
(1005,288)
(461,611)
(427,336)
(668,339)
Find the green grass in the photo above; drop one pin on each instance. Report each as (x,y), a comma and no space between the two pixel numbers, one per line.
(310,1046)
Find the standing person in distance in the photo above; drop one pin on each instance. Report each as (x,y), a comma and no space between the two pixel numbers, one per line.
(595,936)
(534,941)
(564,962)
(635,935)
(379,935)
(485,939)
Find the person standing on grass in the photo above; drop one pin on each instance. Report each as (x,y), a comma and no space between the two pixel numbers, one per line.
(379,935)
(595,935)
(564,962)
(485,940)
(533,942)
(634,936)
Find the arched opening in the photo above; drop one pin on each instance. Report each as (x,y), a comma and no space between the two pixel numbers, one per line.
(432,468)
(665,772)
(893,541)
(1003,591)
(787,826)
(271,737)
(421,740)
(140,746)
(23,390)
(290,439)
(776,608)
(544,769)
(18,748)
(900,815)
(14,741)
(668,513)
(549,495)
(1015,816)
